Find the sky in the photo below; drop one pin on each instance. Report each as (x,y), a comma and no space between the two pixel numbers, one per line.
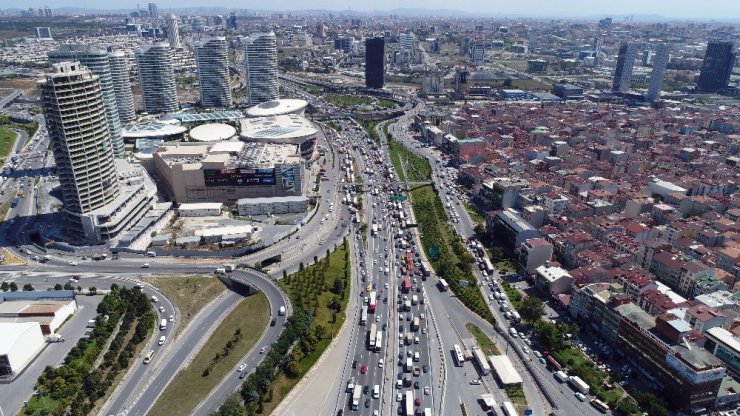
(704,9)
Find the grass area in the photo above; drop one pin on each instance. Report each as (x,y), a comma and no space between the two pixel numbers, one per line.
(313,89)
(517,398)
(485,343)
(186,80)
(418,169)
(515,297)
(189,294)
(347,101)
(7,139)
(474,215)
(232,56)
(190,385)
(387,103)
(30,128)
(321,290)
(506,266)
(369,126)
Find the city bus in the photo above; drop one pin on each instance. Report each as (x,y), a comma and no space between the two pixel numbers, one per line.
(371,336)
(459,358)
(443,285)
(599,405)
(363,316)
(487,265)
(553,363)
(508,409)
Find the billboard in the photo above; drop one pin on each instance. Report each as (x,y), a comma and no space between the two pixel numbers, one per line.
(288,177)
(239,177)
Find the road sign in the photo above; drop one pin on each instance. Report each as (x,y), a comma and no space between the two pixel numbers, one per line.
(527,412)
(399,198)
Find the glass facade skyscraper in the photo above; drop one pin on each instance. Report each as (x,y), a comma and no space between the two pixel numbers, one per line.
(374,62)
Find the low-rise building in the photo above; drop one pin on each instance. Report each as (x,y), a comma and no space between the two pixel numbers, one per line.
(200,209)
(725,346)
(277,205)
(553,280)
(509,229)
(533,253)
(19,344)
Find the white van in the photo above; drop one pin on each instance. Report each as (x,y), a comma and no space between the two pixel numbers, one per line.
(512,332)
(155,299)
(376,391)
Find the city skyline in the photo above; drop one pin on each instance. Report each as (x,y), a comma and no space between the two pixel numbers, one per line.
(710,9)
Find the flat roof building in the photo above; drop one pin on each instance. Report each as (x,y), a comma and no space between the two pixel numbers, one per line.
(212,132)
(19,344)
(276,205)
(228,171)
(504,369)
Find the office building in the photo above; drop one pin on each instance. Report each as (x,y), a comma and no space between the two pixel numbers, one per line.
(406,40)
(717,67)
(262,70)
(43,33)
(478,53)
(157,78)
(375,62)
(625,65)
(153,11)
(212,60)
(173,31)
(96,60)
(119,71)
(656,77)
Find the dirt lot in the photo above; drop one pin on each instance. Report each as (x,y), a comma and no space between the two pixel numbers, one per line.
(28,86)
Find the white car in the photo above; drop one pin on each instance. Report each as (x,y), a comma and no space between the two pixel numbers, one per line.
(581,397)
(475,382)
(73,263)
(242,367)
(381,362)
(161,309)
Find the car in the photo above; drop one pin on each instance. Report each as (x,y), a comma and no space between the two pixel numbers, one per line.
(475,382)
(425,368)
(241,368)
(161,309)
(367,403)
(399,396)
(417,401)
(422,316)
(580,397)
(526,350)
(354,364)
(145,266)
(73,263)
(542,360)
(363,369)
(424,330)
(366,390)
(172,318)
(380,363)
(273,322)
(427,391)
(375,412)
(242,375)
(537,354)
(262,350)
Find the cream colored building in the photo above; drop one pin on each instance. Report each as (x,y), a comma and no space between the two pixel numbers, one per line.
(227,171)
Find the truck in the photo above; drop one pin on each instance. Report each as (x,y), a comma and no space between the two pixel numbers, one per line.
(560,376)
(409,338)
(415,324)
(482,361)
(409,365)
(229,267)
(443,285)
(577,384)
(91,323)
(407,305)
(516,317)
(375,229)
(54,338)
(163,324)
(220,270)
(281,311)
(414,299)
(409,403)
(373,301)
(356,394)
(406,285)
(489,403)
(371,334)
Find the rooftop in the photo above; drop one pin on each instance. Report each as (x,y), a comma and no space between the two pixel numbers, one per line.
(154,129)
(277,107)
(212,116)
(212,132)
(278,127)
(11,332)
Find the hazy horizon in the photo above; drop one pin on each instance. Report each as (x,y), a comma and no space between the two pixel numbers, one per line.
(707,9)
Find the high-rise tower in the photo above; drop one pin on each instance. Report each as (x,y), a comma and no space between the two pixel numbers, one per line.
(656,76)
(173,31)
(119,71)
(75,115)
(157,78)
(717,67)
(262,70)
(625,65)
(96,60)
(213,72)
(374,62)
(153,11)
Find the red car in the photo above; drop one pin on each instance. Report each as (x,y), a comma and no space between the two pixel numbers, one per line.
(363,369)
(417,401)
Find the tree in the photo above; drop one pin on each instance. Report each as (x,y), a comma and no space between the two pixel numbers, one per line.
(5,287)
(232,407)
(93,290)
(68,286)
(28,287)
(480,230)
(532,309)
(13,287)
(337,286)
(58,286)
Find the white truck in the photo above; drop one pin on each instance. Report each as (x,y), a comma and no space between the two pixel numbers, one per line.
(163,324)
(578,384)
(229,268)
(414,299)
(220,270)
(54,338)
(281,311)
(356,394)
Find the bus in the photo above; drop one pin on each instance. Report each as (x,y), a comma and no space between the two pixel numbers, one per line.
(379,341)
(487,265)
(363,316)
(457,352)
(599,405)
(371,336)
(373,301)
(409,403)
(148,356)
(508,409)
(443,285)
(375,229)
